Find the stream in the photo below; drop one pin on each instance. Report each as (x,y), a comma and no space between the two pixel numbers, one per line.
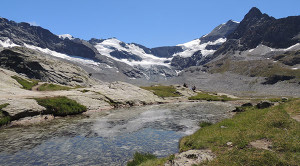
(107,137)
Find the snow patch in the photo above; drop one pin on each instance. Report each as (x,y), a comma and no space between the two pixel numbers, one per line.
(7,44)
(66,36)
(191,47)
(64,56)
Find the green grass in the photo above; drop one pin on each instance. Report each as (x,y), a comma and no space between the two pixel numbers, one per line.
(209,97)
(61,106)
(163,91)
(273,124)
(138,158)
(205,124)
(25,83)
(4,118)
(53,87)
(84,90)
(254,68)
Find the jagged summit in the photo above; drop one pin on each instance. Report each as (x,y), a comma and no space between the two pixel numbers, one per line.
(253,12)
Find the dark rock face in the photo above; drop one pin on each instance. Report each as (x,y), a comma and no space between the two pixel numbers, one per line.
(20,33)
(125,55)
(166,52)
(276,78)
(221,31)
(16,62)
(257,28)
(181,63)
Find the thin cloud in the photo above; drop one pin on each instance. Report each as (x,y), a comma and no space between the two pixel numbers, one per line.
(33,23)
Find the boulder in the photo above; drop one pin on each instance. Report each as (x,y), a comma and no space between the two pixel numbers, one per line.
(264,104)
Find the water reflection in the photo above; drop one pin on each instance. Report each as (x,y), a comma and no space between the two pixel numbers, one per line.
(106,138)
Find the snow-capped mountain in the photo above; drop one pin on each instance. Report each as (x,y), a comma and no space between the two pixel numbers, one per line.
(132,60)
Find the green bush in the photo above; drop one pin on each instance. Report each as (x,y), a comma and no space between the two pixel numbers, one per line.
(163,91)
(84,90)
(25,83)
(204,124)
(61,106)
(209,97)
(4,118)
(138,158)
(52,87)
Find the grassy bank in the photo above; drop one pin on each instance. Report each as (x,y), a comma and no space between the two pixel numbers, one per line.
(209,97)
(163,91)
(273,125)
(4,118)
(61,106)
(52,87)
(27,84)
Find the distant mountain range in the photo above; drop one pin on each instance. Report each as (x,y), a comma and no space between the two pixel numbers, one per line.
(112,59)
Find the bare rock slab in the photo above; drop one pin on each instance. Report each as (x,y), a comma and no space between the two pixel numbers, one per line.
(22,108)
(191,157)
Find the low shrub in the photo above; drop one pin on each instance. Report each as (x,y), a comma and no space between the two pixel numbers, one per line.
(205,124)
(52,87)
(4,118)
(25,83)
(138,158)
(163,91)
(61,106)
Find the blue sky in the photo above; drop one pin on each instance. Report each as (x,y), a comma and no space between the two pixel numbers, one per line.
(149,22)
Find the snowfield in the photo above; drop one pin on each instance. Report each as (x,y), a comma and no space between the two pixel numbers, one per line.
(195,45)
(110,45)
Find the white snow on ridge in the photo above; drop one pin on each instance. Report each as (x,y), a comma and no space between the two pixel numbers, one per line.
(110,45)
(63,56)
(64,36)
(235,21)
(263,49)
(191,47)
(7,44)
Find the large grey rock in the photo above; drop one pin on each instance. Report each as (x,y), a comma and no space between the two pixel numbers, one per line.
(22,108)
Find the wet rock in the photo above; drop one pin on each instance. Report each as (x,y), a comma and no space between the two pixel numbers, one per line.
(239,109)
(264,104)
(247,105)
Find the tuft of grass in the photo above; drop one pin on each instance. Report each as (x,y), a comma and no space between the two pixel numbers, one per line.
(61,106)
(25,83)
(209,97)
(4,118)
(163,91)
(53,87)
(273,124)
(138,158)
(84,90)
(205,124)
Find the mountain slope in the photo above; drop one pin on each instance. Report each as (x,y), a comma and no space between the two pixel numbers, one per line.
(20,33)
(257,28)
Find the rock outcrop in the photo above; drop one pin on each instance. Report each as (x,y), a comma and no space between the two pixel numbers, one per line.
(191,157)
(37,65)
(20,33)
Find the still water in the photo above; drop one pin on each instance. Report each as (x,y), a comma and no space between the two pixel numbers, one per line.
(107,137)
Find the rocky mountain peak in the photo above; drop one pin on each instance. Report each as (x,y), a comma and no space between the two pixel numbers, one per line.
(253,13)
